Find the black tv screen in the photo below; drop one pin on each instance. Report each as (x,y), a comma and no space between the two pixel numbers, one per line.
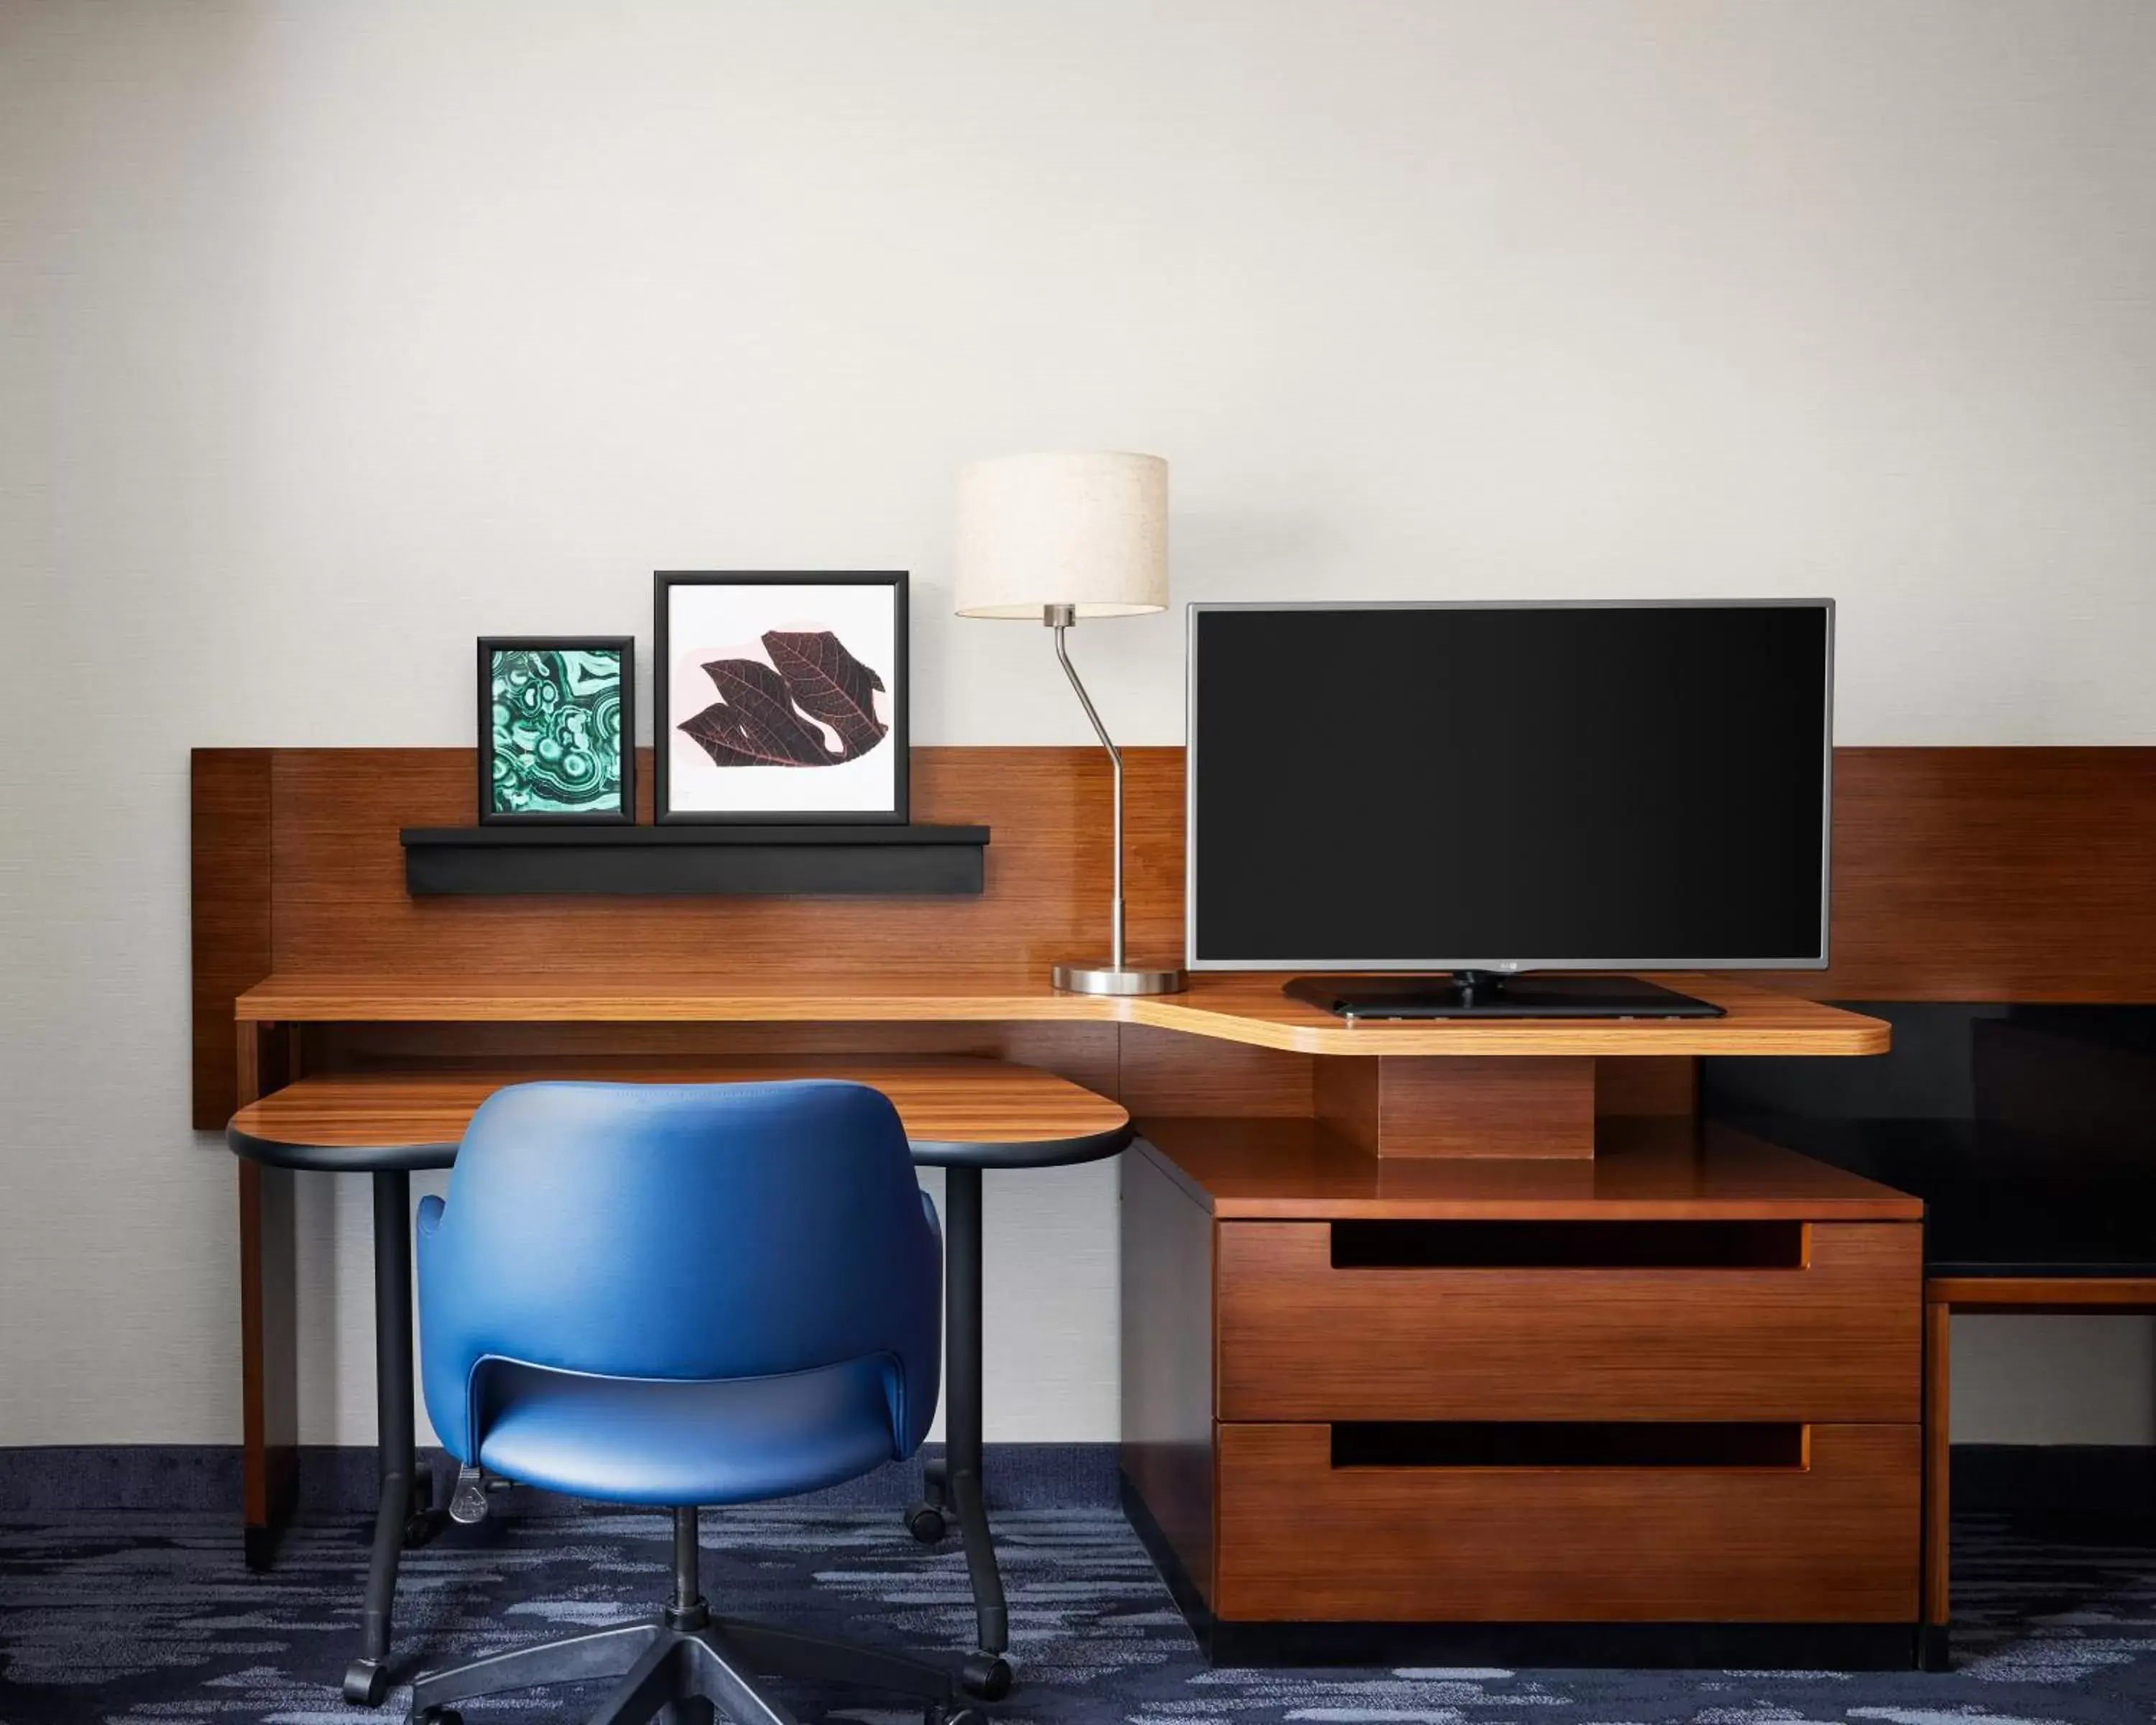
(1498,787)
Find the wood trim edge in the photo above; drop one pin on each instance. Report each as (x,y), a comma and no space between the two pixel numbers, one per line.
(1939,1347)
(2043,1293)
(229,855)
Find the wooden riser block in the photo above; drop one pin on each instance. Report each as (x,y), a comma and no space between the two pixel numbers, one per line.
(1443,1104)
(1646,1087)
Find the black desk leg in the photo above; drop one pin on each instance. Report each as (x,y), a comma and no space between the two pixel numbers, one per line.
(955,1482)
(401,1513)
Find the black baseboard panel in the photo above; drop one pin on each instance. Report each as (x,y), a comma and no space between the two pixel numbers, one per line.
(2091,1479)
(36,1480)
(1661,1646)
(2099,1478)
(339,1480)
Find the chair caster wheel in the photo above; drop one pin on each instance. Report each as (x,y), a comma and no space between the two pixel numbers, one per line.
(925,1523)
(985,1675)
(365,1683)
(939,1715)
(437,1716)
(421,1527)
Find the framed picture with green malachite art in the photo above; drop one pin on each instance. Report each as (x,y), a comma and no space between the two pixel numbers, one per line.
(554,741)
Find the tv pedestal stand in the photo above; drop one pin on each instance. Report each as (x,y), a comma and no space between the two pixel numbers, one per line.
(1493,995)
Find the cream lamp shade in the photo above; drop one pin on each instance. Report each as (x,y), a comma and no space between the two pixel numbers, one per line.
(1083,529)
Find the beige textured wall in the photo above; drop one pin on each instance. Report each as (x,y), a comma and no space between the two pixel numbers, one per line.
(331,336)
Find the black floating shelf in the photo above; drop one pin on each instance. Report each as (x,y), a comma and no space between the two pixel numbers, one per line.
(686,861)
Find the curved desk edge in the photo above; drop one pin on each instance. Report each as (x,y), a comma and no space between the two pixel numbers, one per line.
(957,1111)
(417,1158)
(1043,1153)
(339,1158)
(1247,1007)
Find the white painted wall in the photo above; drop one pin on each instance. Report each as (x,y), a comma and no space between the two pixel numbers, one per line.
(337,334)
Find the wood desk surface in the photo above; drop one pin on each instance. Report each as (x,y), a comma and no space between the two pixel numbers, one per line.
(1643,1170)
(954,1109)
(1244,1007)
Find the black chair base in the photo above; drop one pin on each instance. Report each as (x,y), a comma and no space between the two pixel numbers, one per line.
(685,1673)
(687,1667)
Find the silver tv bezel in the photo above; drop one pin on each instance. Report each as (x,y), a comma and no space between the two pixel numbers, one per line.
(1512,963)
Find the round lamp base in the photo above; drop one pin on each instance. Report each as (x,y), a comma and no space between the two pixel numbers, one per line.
(1108,979)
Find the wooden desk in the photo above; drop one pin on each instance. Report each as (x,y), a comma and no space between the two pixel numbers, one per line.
(963,1116)
(312,964)
(1503,1087)
(1420,1119)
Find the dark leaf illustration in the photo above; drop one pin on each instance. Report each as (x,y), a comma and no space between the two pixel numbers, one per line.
(756,723)
(829,683)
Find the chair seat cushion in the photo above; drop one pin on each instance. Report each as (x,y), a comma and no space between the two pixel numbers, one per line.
(674,1441)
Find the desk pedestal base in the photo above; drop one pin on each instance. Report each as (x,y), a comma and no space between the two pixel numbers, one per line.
(1661,1406)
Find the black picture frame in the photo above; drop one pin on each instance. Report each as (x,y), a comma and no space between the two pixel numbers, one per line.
(489,646)
(666,581)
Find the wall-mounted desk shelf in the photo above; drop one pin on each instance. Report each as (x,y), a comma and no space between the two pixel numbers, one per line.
(692,860)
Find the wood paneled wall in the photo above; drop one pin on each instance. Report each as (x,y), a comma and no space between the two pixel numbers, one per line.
(298,868)
(1959,875)
(1994,874)
(340,904)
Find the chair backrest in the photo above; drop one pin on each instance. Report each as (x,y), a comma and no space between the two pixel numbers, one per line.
(719,1231)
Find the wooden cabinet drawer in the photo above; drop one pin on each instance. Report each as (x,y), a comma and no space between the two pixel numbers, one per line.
(1472,1320)
(1832,1539)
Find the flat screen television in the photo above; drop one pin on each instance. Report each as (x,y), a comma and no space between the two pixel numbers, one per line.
(1488,790)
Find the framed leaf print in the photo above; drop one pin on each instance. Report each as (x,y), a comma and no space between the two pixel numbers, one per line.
(555,744)
(781,697)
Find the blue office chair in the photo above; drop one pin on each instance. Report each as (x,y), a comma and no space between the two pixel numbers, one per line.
(682,1295)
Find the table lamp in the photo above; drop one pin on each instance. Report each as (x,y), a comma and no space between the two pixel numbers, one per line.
(1061,536)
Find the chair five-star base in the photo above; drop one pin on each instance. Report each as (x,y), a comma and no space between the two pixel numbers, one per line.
(687,1667)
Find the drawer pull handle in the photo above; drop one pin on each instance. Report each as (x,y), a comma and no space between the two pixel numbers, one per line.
(1568,1245)
(1491,1443)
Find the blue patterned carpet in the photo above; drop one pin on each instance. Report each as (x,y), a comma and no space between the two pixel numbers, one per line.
(131,1618)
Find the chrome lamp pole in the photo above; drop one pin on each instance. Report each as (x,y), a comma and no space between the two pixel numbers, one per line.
(1060,537)
(1114,977)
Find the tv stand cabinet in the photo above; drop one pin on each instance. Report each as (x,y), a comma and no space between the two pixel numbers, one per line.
(1658,1404)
